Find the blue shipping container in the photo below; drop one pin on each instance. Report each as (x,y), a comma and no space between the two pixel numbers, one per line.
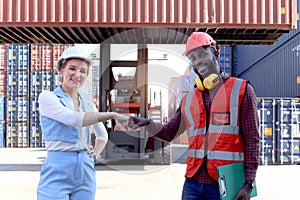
(248,55)
(278,74)
(279,130)
(2,108)
(2,133)
(225,59)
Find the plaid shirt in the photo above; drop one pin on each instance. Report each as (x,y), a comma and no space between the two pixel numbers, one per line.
(249,127)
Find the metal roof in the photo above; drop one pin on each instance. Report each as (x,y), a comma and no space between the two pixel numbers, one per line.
(145,21)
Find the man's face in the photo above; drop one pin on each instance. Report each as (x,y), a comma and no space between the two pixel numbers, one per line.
(203,61)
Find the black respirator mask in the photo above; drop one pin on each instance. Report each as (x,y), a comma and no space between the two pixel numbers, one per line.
(208,71)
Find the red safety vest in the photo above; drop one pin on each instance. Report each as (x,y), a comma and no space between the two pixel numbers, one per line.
(220,141)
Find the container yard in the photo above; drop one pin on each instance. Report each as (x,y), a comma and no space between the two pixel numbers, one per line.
(259,42)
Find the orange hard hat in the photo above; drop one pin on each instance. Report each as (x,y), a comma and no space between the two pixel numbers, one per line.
(198,39)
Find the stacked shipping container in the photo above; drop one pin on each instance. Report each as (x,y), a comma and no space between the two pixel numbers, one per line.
(17,95)
(2,92)
(26,70)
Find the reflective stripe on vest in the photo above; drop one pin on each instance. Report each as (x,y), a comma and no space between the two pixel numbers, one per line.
(234,101)
(216,155)
(191,131)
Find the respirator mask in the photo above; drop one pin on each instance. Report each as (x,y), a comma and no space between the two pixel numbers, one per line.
(205,65)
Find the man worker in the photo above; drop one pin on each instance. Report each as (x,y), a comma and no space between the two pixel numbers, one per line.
(221,120)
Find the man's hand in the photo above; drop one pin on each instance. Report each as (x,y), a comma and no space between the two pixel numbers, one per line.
(244,193)
(122,119)
(137,122)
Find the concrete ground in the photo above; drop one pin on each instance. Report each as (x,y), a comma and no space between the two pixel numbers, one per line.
(19,176)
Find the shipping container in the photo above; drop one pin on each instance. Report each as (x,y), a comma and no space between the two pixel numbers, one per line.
(2,120)
(274,70)
(11,134)
(225,59)
(47,57)
(35,57)
(23,57)
(279,130)
(2,108)
(249,55)
(23,83)
(11,109)
(2,69)
(267,109)
(2,57)
(36,136)
(93,21)
(2,133)
(277,74)
(47,80)
(35,83)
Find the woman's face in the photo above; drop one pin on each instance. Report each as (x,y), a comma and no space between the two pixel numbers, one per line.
(74,73)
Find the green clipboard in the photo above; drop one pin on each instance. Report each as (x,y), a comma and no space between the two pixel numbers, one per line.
(231,178)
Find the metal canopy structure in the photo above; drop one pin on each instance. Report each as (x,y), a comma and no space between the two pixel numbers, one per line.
(94,35)
(145,21)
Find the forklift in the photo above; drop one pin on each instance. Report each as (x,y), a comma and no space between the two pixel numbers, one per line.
(129,95)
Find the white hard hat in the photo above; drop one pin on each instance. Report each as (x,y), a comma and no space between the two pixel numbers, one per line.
(73,52)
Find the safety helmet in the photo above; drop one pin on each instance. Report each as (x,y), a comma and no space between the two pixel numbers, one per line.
(198,39)
(73,52)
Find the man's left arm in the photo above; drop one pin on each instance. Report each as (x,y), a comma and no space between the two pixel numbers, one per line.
(249,127)
(250,132)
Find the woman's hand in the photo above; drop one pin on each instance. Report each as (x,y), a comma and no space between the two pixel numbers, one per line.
(122,119)
(97,150)
(137,122)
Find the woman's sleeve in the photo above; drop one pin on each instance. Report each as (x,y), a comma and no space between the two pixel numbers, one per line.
(50,106)
(100,131)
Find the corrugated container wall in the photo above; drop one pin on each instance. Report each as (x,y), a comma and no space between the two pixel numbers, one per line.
(273,70)
(229,13)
